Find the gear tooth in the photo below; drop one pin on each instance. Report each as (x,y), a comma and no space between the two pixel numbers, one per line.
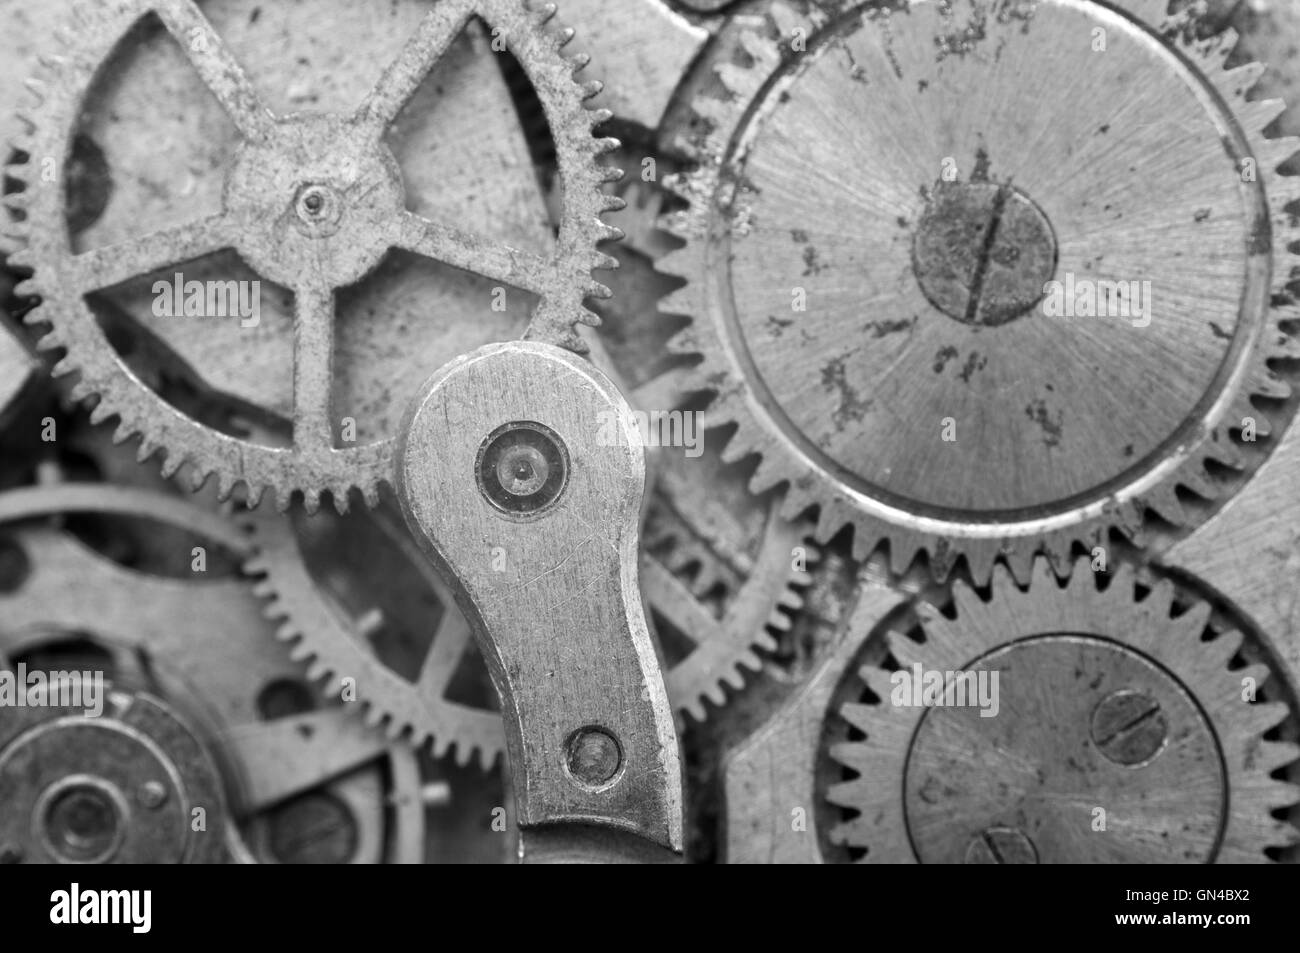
(604,144)
(565,36)
(1040,575)
(1271,755)
(1218,652)
(611,173)
(694,708)
(1020,561)
(1272,153)
(1237,82)
(1257,116)
(299,651)
(283,497)
(198,478)
(18,201)
(172,461)
(439,746)
(371,495)
(590,90)
(1266,385)
(146,449)
(225,486)
(613,203)
(579,62)
(311,501)
(1123,580)
(254,494)
(100,413)
(374,718)
(464,754)
(1225,453)
(678,302)
(980,555)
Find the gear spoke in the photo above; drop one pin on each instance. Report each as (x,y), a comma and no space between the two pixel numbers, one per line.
(113,264)
(449,645)
(519,269)
(313,365)
(272,752)
(674,602)
(219,69)
(404,75)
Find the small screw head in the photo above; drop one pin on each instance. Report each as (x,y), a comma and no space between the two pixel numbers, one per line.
(522,467)
(151,795)
(1128,727)
(1001,845)
(594,756)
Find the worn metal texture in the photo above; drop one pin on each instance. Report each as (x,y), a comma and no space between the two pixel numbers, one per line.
(313,202)
(812,289)
(849,532)
(203,647)
(561,628)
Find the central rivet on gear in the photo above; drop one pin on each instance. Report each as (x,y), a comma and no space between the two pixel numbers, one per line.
(983,252)
(82,823)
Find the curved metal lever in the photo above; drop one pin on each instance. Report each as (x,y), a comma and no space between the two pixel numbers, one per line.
(521,476)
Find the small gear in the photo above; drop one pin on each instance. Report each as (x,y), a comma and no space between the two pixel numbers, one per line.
(312,202)
(882,201)
(721,607)
(199,693)
(1120,728)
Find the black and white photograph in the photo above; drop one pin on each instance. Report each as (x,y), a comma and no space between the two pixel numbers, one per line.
(766,432)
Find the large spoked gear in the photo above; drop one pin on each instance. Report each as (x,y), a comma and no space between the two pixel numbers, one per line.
(205,711)
(1124,730)
(312,202)
(872,227)
(721,598)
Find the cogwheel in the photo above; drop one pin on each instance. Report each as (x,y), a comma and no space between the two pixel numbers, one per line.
(1122,731)
(715,607)
(882,199)
(312,202)
(200,693)
(716,639)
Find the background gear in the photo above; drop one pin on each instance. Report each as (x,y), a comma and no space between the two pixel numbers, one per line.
(191,660)
(1124,734)
(960,207)
(322,249)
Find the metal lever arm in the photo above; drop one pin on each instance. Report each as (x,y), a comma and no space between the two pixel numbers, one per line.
(521,476)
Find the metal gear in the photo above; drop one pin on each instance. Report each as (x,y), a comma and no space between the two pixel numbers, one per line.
(286,211)
(750,596)
(1125,731)
(191,669)
(953,173)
